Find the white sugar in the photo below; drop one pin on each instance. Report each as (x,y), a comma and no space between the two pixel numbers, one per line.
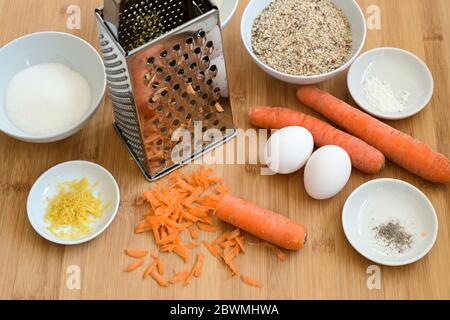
(47,99)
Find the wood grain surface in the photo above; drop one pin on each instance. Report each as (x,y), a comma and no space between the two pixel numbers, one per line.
(328,267)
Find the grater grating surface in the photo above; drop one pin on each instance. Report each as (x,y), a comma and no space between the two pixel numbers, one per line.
(176,81)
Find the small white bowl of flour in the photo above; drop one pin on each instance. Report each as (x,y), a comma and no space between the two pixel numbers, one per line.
(51,85)
(390,83)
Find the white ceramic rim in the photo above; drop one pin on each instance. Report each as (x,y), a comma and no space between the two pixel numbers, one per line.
(87,115)
(315,77)
(385,115)
(231,15)
(419,193)
(70,242)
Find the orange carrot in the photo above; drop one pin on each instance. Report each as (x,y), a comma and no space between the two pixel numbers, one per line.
(229,255)
(404,150)
(196,269)
(211,248)
(240,242)
(364,157)
(150,269)
(159,279)
(135,265)
(207,228)
(262,223)
(193,232)
(233,268)
(227,244)
(221,238)
(234,234)
(251,282)
(179,277)
(199,265)
(160,265)
(136,253)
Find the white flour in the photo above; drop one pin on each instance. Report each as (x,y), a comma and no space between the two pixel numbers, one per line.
(380,96)
(47,99)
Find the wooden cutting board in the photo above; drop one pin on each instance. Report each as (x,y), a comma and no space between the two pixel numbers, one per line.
(328,267)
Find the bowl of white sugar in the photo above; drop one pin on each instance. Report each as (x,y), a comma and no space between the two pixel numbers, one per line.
(51,84)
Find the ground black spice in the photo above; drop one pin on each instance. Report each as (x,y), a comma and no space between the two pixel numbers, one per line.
(394,236)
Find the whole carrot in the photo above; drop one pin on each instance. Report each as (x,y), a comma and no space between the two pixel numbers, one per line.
(263,223)
(364,157)
(399,147)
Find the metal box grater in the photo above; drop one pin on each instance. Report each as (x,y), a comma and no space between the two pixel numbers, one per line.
(166,72)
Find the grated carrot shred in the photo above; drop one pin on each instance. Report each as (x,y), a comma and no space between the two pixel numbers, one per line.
(251,282)
(185,204)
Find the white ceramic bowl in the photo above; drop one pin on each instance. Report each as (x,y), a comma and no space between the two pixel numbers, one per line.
(227,10)
(357,23)
(379,201)
(46,187)
(402,70)
(45,47)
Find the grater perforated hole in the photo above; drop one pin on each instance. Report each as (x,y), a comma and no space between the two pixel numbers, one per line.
(205,62)
(181,109)
(201,37)
(190,43)
(155,85)
(216,122)
(176,87)
(201,76)
(176,122)
(168,78)
(163,54)
(212,72)
(198,52)
(209,48)
(189,116)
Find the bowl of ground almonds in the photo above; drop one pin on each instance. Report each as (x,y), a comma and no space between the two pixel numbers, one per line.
(303,41)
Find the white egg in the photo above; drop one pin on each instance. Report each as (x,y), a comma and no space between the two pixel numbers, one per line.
(327,172)
(288,149)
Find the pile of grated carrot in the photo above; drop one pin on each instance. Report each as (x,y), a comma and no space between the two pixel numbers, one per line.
(186,204)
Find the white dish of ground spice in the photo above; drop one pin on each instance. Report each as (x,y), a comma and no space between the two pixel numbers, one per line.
(303,41)
(390,222)
(390,83)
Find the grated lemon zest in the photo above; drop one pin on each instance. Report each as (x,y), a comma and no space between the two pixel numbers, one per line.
(71,213)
